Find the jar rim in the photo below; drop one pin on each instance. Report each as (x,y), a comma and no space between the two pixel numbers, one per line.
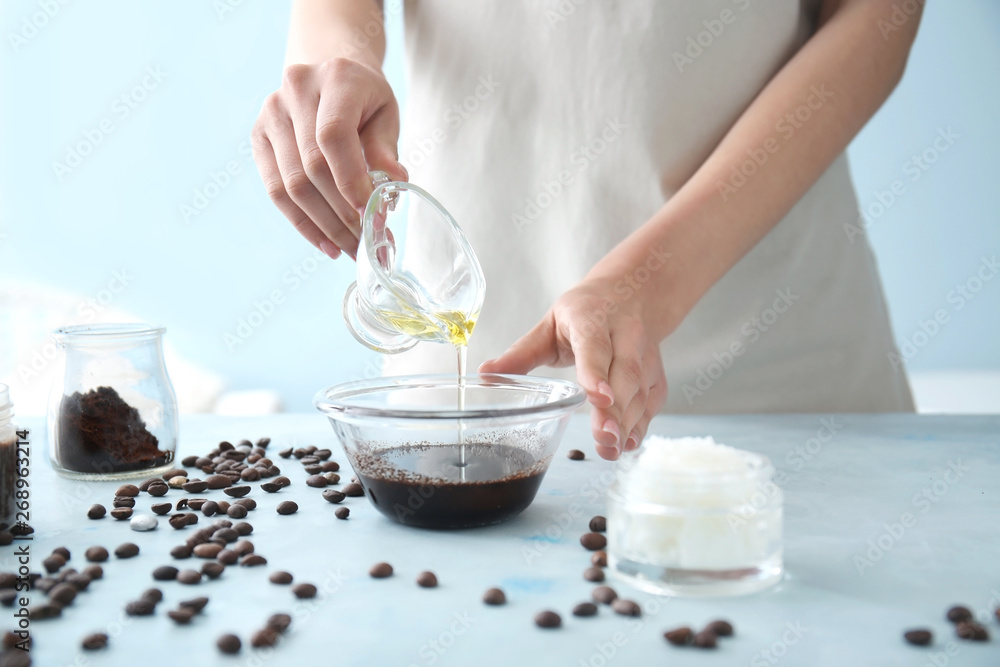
(106,331)
(758,465)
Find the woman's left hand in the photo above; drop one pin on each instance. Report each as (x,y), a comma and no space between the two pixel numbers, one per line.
(617,361)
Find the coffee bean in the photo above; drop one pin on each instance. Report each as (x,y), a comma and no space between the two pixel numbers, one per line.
(8,596)
(143,523)
(599,559)
(213,569)
(287,507)
(252,560)
(681,636)
(94,572)
(178,521)
(243,528)
(130,490)
(626,607)
(575,455)
(604,594)
(196,503)
(585,609)
(972,630)
(217,482)
(236,511)
(316,481)
(283,481)
(237,491)
(194,604)
(157,489)
(264,638)
(121,513)
(304,591)
(353,490)
(161,508)
(705,639)
(333,496)
(919,637)
(81,581)
(181,616)
(598,524)
(62,551)
(264,442)
(195,486)
(174,472)
(494,597)
(94,642)
(593,541)
(189,577)
(270,487)
(8,579)
(190,461)
(45,584)
(380,570)
(309,460)
(225,535)
(548,619)
(279,622)
(165,573)
(44,611)
(594,574)
(330,466)
(227,557)
(285,453)
(207,550)
(224,506)
(342,513)
(144,485)
(250,475)
(177,482)
(96,554)
(720,628)
(229,644)
(281,577)
(210,508)
(140,607)
(959,613)
(127,550)
(96,511)
(63,594)
(243,547)
(427,580)
(248,503)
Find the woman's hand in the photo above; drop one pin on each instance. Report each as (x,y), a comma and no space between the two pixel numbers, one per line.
(315,141)
(617,361)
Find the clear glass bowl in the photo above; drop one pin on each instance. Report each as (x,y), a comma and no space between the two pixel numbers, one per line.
(406,439)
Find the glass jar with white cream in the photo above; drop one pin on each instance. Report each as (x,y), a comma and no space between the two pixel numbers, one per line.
(691,517)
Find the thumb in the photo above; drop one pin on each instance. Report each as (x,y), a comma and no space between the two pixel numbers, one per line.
(379,137)
(536,348)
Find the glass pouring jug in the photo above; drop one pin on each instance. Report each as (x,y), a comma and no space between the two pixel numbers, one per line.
(417,276)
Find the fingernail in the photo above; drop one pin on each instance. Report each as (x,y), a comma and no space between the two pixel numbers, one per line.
(406,173)
(632,443)
(486,363)
(331,251)
(353,254)
(611,427)
(605,389)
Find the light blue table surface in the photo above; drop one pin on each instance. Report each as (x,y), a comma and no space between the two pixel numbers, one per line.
(843,601)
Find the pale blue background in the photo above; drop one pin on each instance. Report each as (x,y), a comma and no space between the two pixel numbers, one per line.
(121,208)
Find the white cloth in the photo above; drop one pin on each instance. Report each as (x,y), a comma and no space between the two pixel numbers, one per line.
(553,129)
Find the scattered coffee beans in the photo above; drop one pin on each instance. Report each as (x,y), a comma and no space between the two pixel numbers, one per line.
(207,550)
(599,559)
(316,481)
(333,496)
(271,487)
(243,528)
(959,613)
(427,580)
(229,644)
(165,573)
(96,512)
(598,524)
(141,607)
(213,569)
(94,572)
(210,508)
(181,616)
(96,554)
(94,642)
(194,604)
(237,491)
(585,609)
(593,541)
(920,637)
(178,521)
(264,638)
(127,490)
(248,503)
(353,490)
(287,507)
(705,639)
(63,594)
(604,594)
(160,508)
(279,622)
(189,577)
(972,630)
(380,570)
(548,619)
(720,628)
(575,455)
(281,577)
(342,513)
(626,607)
(304,591)
(121,513)
(227,557)
(594,574)
(127,550)
(494,597)
(236,512)
(253,560)
(679,636)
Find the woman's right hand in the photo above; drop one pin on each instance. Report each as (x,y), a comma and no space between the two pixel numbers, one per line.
(315,141)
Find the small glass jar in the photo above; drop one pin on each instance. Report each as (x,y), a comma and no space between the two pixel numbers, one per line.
(112,411)
(8,461)
(689,533)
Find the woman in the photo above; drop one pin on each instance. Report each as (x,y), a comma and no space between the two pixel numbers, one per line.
(663,183)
